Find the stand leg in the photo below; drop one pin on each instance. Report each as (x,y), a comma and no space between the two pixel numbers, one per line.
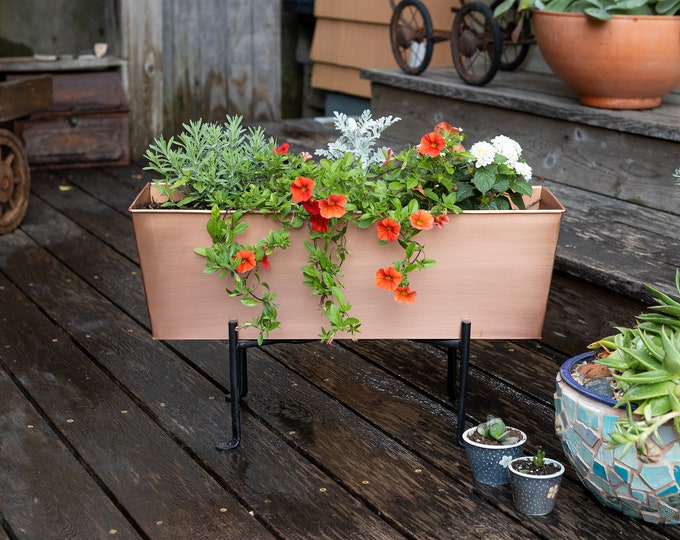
(235,389)
(464,366)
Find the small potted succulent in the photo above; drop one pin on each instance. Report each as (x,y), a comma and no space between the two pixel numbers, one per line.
(490,448)
(535,482)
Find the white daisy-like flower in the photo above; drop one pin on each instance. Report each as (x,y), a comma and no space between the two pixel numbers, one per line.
(523,169)
(483,152)
(505,461)
(507,147)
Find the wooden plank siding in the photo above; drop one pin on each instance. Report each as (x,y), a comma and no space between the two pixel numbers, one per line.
(188,59)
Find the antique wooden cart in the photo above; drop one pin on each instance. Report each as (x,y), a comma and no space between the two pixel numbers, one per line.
(18,99)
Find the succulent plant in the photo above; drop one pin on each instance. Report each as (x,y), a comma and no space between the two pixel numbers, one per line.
(494,428)
(645,362)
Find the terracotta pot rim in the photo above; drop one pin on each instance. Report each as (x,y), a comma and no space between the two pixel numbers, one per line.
(547,12)
(538,476)
(494,446)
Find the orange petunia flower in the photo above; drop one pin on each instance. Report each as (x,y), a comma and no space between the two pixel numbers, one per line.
(431,144)
(444,127)
(422,220)
(301,189)
(388,278)
(404,295)
(318,223)
(334,206)
(283,149)
(265,262)
(311,206)
(245,259)
(388,230)
(441,220)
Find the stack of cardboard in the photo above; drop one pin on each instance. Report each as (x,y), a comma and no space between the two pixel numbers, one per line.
(355,34)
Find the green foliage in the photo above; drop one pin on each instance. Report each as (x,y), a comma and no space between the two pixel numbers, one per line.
(597,9)
(233,170)
(645,361)
(494,428)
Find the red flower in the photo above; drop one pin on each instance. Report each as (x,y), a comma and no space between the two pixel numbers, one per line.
(318,223)
(444,128)
(311,206)
(404,295)
(283,149)
(301,189)
(422,220)
(388,278)
(265,262)
(245,259)
(441,220)
(334,206)
(388,230)
(431,144)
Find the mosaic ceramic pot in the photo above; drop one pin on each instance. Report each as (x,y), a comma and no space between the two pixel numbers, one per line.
(534,495)
(583,421)
(489,462)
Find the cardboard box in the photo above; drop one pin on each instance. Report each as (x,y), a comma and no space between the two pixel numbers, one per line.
(362,45)
(380,11)
(355,34)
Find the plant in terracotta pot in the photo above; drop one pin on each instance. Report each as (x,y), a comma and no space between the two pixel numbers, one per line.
(490,447)
(620,54)
(618,414)
(535,481)
(406,198)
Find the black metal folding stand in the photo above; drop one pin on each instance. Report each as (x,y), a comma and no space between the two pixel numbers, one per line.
(458,349)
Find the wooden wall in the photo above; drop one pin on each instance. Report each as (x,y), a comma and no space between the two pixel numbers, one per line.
(190,59)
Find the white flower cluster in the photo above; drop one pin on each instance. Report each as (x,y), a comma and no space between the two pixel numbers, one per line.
(485,153)
(358,137)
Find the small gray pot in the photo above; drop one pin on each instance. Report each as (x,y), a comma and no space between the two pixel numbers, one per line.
(534,495)
(489,462)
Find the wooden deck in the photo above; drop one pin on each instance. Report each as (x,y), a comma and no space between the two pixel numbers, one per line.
(105,433)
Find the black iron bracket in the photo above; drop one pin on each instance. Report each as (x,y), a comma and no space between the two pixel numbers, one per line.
(458,351)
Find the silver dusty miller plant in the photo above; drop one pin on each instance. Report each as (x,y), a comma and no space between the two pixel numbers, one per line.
(358,137)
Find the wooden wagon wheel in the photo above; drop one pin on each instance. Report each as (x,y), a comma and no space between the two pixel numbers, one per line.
(15,182)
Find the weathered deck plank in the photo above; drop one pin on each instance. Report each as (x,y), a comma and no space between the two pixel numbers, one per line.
(38,469)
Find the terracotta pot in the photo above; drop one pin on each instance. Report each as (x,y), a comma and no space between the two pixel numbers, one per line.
(489,462)
(583,421)
(629,62)
(492,268)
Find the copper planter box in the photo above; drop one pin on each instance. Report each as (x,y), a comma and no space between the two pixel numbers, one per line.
(493,268)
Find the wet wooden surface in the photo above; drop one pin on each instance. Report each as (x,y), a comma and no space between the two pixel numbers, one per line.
(106,433)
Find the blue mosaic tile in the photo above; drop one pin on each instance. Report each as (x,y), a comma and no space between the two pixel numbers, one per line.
(673,453)
(670,491)
(667,434)
(600,470)
(629,459)
(589,417)
(608,424)
(676,473)
(656,476)
(586,455)
(588,436)
(569,407)
(622,472)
